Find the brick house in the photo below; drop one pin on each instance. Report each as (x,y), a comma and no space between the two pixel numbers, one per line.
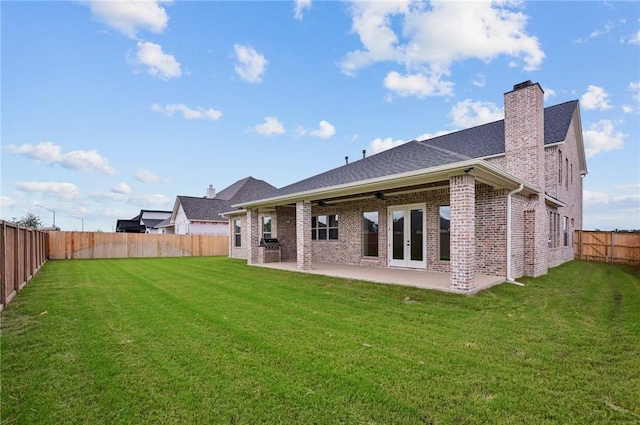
(500,199)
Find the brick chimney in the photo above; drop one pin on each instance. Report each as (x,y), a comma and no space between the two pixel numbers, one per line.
(524,132)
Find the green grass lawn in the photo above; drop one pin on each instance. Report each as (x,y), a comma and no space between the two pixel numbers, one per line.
(212,341)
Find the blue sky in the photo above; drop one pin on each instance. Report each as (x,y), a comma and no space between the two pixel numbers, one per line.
(111,107)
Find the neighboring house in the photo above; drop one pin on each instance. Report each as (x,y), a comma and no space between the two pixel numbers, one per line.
(165,227)
(203,215)
(500,199)
(145,222)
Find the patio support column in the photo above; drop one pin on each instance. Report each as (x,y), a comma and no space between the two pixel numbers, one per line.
(462,194)
(253,237)
(303,235)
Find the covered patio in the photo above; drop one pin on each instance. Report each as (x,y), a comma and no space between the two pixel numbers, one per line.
(392,276)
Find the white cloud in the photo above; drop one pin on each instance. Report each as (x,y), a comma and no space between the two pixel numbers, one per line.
(142,200)
(324,130)
(635,39)
(129,17)
(480,80)
(270,127)
(602,137)
(151,200)
(428,40)
(66,191)
(548,93)
(199,113)
(597,33)
(121,188)
(50,153)
(627,109)
(595,98)
(251,64)
(146,176)
(634,87)
(6,202)
(467,114)
(300,6)
(159,64)
(426,136)
(379,145)
(418,85)
(616,207)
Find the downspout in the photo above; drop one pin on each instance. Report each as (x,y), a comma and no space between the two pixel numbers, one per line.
(510,278)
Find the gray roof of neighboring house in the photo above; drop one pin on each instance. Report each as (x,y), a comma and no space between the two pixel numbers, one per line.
(165,223)
(205,209)
(245,189)
(150,223)
(476,142)
(210,209)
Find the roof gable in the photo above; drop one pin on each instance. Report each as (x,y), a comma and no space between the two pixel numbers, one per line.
(488,139)
(410,156)
(242,190)
(211,209)
(203,209)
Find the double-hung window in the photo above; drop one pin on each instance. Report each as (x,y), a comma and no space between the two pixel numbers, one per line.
(266,227)
(237,233)
(324,227)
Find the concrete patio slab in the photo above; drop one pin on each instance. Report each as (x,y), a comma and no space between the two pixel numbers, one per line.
(393,276)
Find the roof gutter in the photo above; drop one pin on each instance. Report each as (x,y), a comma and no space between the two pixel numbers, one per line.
(482,170)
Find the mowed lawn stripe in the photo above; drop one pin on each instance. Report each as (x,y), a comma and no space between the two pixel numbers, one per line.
(210,340)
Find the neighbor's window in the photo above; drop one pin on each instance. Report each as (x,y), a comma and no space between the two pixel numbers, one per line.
(370,234)
(324,227)
(565,229)
(554,230)
(571,173)
(237,225)
(551,229)
(266,227)
(559,167)
(566,177)
(445,235)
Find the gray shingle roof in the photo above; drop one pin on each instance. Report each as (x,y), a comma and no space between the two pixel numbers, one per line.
(410,156)
(245,189)
(205,209)
(476,142)
(488,139)
(210,209)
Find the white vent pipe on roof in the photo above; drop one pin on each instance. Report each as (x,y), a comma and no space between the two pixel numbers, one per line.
(510,278)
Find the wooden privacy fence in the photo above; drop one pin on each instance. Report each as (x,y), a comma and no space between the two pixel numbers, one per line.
(74,245)
(609,247)
(23,253)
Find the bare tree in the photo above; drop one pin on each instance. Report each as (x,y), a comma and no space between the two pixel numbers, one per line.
(28,220)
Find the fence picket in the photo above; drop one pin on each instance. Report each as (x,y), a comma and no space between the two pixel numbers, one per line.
(614,247)
(74,245)
(23,253)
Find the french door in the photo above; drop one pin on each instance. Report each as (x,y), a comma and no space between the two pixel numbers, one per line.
(407,236)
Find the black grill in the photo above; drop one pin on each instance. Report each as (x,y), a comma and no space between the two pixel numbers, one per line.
(271,252)
(270,243)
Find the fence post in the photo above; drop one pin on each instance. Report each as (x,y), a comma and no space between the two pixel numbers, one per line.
(612,247)
(3,267)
